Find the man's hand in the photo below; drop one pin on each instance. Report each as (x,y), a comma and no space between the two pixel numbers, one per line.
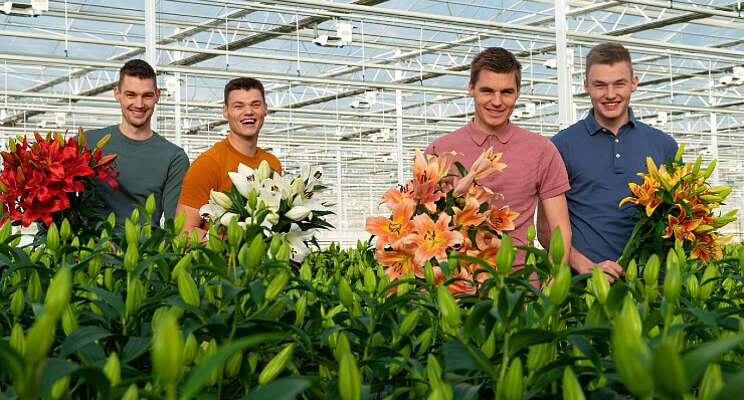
(581,264)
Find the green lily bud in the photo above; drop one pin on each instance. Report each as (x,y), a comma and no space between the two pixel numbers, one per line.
(631,272)
(276,243)
(40,338)
(17,339)
(111,219)
(17,302)
(424,340)
(513,388)
(692,287)
(489,345)
(276,365)
(187,289)
(263,171)
(341,345)
(561,285)
(300,309)
(540,355)
(709,281)
(131,258)
(305,273)
(130,232)
(678,154)
(673,278)
(108,279)
(429,273)
(283,253)
(530,233)
(233,364)
(571,387)
(505,255)
(556,246)
(344,293)
(53,237)
(135,295)
(69,320)
(5,231)
(630,313)
(33,289)
(276,309)
(631,356)
(112,370)
(167,348)
(711,384)
(65,230)
(350,383)
(252,199)
(433,369)
(651,272)
(370,280)
(131,393)
(135,216)
(181,266)
(189,349)
(60,387)
(255,253)
(668,371)
(409,323)
(601,285)
(59,292)
(448,308)
(179,222)
(234,233)
(150,205)
(276,286)
(709,171)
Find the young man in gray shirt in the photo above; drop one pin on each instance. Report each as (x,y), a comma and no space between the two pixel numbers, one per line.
(147,162)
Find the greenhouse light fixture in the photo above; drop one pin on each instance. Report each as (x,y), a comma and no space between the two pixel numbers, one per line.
(32,9)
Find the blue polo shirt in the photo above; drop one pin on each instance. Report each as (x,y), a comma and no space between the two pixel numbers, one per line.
(599,166)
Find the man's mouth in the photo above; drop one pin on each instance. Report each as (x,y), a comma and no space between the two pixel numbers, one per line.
(248,122)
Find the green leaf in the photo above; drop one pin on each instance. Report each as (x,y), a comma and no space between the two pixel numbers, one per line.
(734,388)
(80,338)
(527,337)
(465,391)
(473,321)
(55,370)
(134,347)
(143,264)
(461,169)
(616,296)
(111,299)
(697,360)
(456,357)
(11,362)
(95,377)
(280,389)
(201,372)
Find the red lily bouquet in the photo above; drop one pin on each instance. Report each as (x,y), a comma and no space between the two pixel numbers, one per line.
(42,179)
(677,204)
(442,210)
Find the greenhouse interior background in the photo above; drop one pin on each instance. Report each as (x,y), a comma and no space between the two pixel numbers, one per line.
(357,86)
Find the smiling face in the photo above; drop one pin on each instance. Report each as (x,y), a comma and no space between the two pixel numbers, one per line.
(137,98)
(609,86)
(495,94)
(245,112)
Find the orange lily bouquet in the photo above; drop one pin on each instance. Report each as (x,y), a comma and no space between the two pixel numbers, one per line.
(442,211)
(677,206)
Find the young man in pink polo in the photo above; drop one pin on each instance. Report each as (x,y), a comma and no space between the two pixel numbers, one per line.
(535,172)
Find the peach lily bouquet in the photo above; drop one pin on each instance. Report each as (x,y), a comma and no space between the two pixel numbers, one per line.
(677,207)
(441,212)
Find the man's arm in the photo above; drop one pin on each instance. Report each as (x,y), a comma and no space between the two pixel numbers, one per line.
(173,182)
(583,265)
(551,213)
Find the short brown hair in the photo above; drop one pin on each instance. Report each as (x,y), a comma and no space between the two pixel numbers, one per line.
(498,60)
(244,84)
(608,53)
(139,69)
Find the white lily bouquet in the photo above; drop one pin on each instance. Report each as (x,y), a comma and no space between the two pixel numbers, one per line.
(275,203)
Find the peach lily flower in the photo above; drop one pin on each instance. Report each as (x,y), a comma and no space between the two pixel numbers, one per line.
(390,231)
(399,261)
(502,219)
(470,215)
(432,239)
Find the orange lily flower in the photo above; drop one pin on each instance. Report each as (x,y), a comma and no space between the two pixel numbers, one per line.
(645,195)
(502,219)
(426,194)
(432,239)
(705,248)
(680,228)
(393,197)
(390,231)
(470,215)
(400,262)
(486,164)
(459,286)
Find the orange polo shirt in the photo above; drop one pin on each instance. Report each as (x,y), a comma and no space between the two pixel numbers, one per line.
(209,171)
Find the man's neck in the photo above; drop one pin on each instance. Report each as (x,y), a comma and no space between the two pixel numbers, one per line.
(245,146)
(613,125)
(490,132)
(136,133)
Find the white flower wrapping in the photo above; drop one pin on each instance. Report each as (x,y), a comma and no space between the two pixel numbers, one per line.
(290,207)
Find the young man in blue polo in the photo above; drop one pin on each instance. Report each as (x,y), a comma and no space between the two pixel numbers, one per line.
(602,153)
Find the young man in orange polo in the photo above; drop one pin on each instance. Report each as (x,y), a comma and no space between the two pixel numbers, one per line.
(245,109)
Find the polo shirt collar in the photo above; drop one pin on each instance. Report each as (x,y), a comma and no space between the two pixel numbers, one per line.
(479,137)
(592,126)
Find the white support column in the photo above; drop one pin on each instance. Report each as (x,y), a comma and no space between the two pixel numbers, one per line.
(150,50)
(339,201)
(565,95)
(715,178)
(399,123)
(177,110)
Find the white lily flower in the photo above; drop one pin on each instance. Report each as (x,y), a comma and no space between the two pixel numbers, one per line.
(298,187)
(240,182)
(211,210)
(227,217)
(271,219)
(313,178)
(220,199)
(298,213)
(280,184)
(296,239)
(246,171)
(272,200)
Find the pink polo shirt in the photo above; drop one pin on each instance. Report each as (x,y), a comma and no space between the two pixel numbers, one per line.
(534,169)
